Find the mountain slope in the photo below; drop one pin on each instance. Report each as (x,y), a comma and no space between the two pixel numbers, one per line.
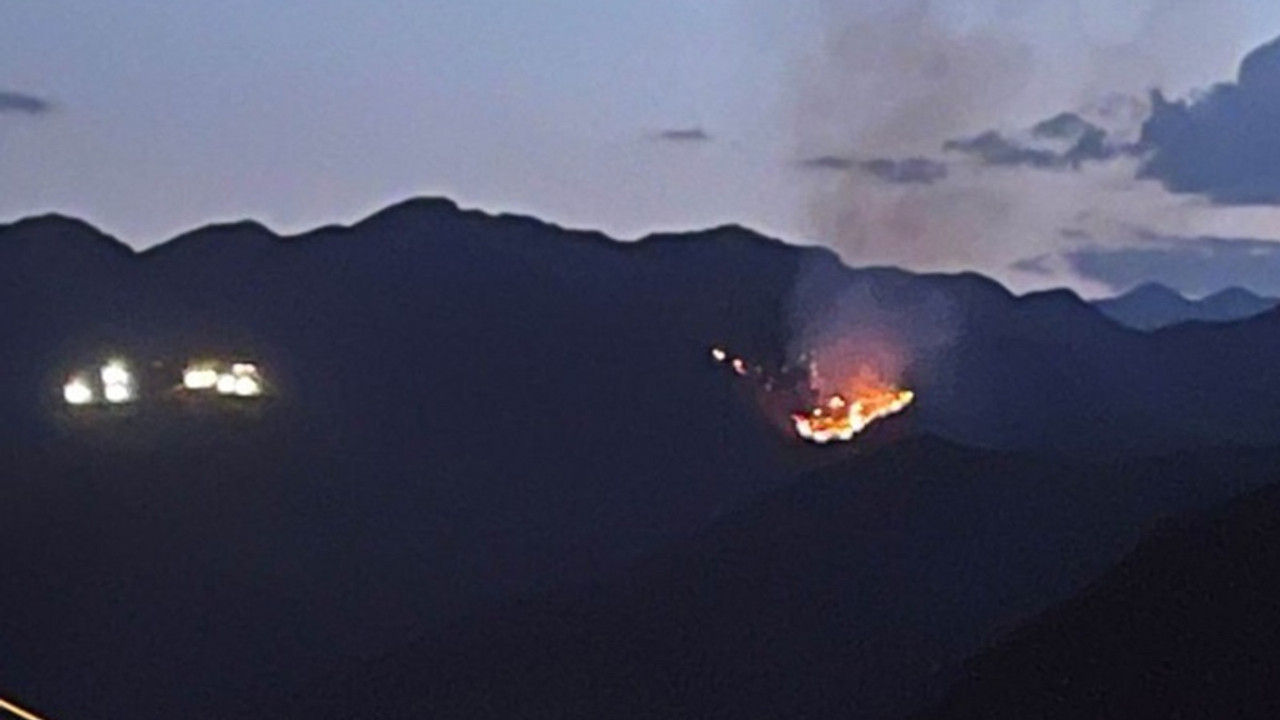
(468,406)
(1186,627)
(471,406)
(857,588)
(510,296)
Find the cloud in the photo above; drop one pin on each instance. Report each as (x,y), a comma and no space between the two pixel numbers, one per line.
(1041,265)
(1063,126)
(992,148)
(1065,141)
(1191,265)
(685,135)
(17,102)
(1225,143)
(906,171)
(829,162)
(895,171)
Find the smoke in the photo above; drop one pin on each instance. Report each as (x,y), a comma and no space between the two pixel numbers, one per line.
(1020,125)
(899,82)
(1026,114)
(875,323)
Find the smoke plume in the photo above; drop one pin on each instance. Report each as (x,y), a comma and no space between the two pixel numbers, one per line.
(898,83)
(1027,116)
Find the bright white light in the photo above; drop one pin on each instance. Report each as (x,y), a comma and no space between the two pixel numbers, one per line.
(244,369)
(115,373)
(117,393)
(77,392)
(247,387)
(226,384)
(200,378)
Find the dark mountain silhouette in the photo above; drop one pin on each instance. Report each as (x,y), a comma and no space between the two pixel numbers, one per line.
(853,593)
(1186,626)
(470,407)
(1153,306)
(467,406)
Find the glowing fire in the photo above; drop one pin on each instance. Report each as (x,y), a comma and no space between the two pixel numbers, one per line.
(840,419)
(835,417)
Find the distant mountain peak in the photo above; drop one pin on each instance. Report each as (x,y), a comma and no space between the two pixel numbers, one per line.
(411,209)
(1152,290)
(1235,293)
(1152,305)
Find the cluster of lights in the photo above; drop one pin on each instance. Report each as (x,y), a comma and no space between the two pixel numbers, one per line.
(116,381)
(115,384)
(238,380)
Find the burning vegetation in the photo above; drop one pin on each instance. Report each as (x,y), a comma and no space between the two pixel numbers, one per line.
(839,419)
(828,417)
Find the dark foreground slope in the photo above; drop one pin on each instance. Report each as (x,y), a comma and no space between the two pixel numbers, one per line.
(1187,626)
(853,593)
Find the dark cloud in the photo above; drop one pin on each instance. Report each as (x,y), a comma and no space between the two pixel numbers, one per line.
(1225,143)
(829,162)
(685,135)
(906,171)
(16,102)
(992,148)
(896,171)
(1065,141)
(1063,126)
(1038,265)
(1193,266)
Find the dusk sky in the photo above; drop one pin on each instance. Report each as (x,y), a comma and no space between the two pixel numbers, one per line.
(897,131)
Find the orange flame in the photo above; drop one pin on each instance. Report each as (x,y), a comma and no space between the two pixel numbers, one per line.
(840,419)
(838,416)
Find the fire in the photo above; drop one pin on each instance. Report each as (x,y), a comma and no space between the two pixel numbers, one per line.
(834,417)
(840,419)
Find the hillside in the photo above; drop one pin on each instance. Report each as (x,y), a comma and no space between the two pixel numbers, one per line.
(1185,627)
(471,407)
(861,586)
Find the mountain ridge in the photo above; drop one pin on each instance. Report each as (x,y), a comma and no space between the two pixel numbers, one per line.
(470,406)
(1153,306)
(720,273)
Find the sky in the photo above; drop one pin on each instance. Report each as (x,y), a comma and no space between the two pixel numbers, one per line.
(896,131)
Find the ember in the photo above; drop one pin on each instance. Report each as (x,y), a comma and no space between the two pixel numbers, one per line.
(737,364)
